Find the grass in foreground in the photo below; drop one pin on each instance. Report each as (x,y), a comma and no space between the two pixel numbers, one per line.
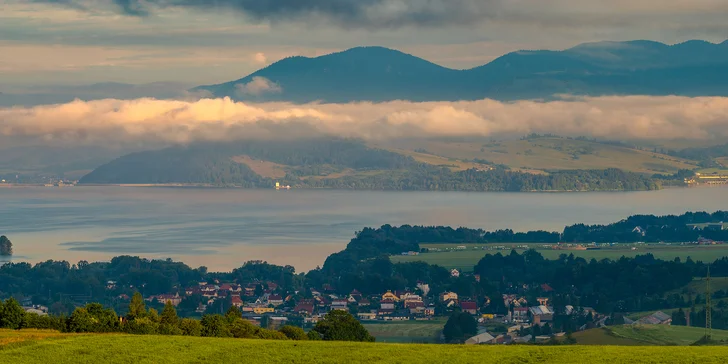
(659,335)
(113,348)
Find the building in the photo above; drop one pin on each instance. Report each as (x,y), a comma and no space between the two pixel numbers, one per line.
(484,338)
(367,315)
(175,299)
(657,318)
(469,307)
(455,273)
(236,301)
(275,300)
(541,314)
(304,308)
(340,305)
(386,305)
(447,296)
(262,310)
(390,296)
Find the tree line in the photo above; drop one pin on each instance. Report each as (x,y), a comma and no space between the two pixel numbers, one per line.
(95,318)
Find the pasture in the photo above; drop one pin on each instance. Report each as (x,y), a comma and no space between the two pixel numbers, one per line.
(467,258)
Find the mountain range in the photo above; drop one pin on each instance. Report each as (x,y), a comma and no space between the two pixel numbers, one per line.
(693,68)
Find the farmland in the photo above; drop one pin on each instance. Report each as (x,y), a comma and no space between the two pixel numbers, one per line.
(42,347)
(466,258)
(542,154)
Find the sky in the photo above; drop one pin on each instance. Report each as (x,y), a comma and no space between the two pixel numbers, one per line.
(193,42)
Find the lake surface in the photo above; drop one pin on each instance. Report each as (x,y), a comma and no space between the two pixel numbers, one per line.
(223,228)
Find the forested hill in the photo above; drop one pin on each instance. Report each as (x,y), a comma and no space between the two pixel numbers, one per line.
(340,164)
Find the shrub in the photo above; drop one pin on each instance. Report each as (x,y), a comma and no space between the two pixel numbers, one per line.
(293,332)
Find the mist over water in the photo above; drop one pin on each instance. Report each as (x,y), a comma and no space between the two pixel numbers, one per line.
(223,228)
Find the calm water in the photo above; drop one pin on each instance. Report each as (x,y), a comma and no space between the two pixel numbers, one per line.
(223,228)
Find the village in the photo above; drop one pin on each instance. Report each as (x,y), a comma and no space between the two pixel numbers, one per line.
(265,304)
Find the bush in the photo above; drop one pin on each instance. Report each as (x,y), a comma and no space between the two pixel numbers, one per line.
(190,327)
(314,336)
(141,326)
(293,332)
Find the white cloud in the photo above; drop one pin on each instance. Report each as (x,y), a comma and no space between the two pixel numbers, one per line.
(258,86)
(623,117)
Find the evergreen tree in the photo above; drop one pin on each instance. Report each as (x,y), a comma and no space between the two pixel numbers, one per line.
(459,327)
(169,315)
(137,308)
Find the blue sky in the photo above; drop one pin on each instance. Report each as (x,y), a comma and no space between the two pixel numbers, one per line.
(68,42)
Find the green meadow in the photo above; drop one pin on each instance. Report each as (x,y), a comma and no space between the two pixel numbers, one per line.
(21,347)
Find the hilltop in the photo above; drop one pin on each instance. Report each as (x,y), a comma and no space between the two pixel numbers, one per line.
(44,346)
(693,68)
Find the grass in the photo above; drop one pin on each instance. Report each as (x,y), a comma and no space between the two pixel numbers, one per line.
(466,259)
(113,348)
(660,335)
(406,331)
(550,154)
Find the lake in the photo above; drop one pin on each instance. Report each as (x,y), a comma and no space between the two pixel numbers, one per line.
(223,228)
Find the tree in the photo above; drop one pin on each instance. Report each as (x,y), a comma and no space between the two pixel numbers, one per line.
(6,247)
(679,318)
(293,332)
(137,308)
(459,327)
(80,321)
(169,322)
(11,314)
(341,326)
(233,313)
(215,326)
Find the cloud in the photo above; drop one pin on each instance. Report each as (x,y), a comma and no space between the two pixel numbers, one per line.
(260,58)
(170,121)
(258,86)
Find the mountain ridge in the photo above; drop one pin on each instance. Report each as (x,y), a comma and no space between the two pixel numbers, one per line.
(376,73)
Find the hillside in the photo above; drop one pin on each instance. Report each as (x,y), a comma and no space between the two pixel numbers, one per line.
(49,347)
(645,335)
(340,164)
(379,74)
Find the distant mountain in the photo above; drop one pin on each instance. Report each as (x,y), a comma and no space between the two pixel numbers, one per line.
(380,74)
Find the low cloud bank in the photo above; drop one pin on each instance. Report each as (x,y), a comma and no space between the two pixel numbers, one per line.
(174,121)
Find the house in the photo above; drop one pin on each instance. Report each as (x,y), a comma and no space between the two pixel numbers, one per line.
(356,295)
(541,314)
(448,296)
(542,301)
(520,313)
(430,311)
(275,300)
(455,273)
(340,305)
(387,304)
(110,285)
(175,299)
(408,296)
(657,318)
(304,308)
(390,296)
(639,230)
(364,302)
(261,310)
(226,287)
(415,307)
(236,301)
(484,338)
(546,288)
(469,307)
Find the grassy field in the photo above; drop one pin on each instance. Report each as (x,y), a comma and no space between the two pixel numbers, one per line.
(33,347)
(407,331)
(629,335)
(548,154)
(466,259)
